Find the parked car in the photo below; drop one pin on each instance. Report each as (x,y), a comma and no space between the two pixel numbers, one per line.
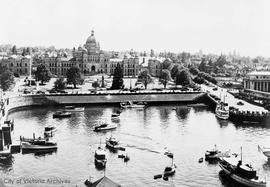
(52,91)
(40,92)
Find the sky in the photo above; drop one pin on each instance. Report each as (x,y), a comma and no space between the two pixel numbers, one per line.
(213,26)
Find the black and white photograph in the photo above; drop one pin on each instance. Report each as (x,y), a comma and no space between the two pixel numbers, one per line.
(134,93)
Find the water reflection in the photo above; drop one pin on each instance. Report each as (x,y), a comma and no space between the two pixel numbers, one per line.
(6,163)
(227,181)
(266,165)
(182,112)
(40,153)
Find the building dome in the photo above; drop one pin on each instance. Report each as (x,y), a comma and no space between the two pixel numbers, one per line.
(91,39)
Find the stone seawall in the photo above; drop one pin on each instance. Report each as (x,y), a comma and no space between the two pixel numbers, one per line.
(101,98)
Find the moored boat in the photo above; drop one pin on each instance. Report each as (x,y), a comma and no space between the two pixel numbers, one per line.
(105,127)
(169,170)
(222,112)
(215,154)
(73,109)
(48,131)
(241,173)
(100,157)
(115,115)
(265,151)
(61,114)
(38,145)
(112,144)
(130,104)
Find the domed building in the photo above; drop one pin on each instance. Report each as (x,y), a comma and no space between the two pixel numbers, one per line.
(90,58)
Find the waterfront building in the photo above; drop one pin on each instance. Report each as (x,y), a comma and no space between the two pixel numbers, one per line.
(257,80)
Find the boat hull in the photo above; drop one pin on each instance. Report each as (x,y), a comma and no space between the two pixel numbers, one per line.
(26,146)
(241,180)
(105,129)
(79,109)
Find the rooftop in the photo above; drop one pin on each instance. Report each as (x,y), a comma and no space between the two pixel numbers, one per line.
(259,73)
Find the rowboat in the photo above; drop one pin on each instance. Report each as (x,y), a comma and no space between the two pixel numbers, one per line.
(73,109)
(61,114)
(105,127)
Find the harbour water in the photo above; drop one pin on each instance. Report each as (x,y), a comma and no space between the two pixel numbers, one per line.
(187,131)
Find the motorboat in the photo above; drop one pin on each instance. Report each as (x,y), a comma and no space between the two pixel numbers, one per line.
(222,112)
(112,144)
(48,131)
(169,170)
(100,157)
(265,151)
(241,173)
(105,127)
(212,154)
(73,109)
(215,154)
(169,154)
(38,145)
(130,104)
(61,114)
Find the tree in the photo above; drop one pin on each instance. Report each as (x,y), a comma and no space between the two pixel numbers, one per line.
(95,84)
(14,50)
(165,77)
(176,68)
(194,70)
(117,78)
(74,76)
(60,84)
(102,82)
(202,65)
(24,52)
(183,78)
(145,77)
(42,74)
(6,78)
(167,64)
(198,80)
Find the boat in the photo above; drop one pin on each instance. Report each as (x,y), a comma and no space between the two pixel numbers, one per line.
(61,114)
(127,158)
(241,173)
(5,153)
(130,104)
(215,154)
(105,127)
(100,157)
(248,116)
(212,154)
(222,112)
(169,154)
(169,170)
(115,115)
(265,151)
(73,109)
(38,145)
(48,131)
(112,144)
